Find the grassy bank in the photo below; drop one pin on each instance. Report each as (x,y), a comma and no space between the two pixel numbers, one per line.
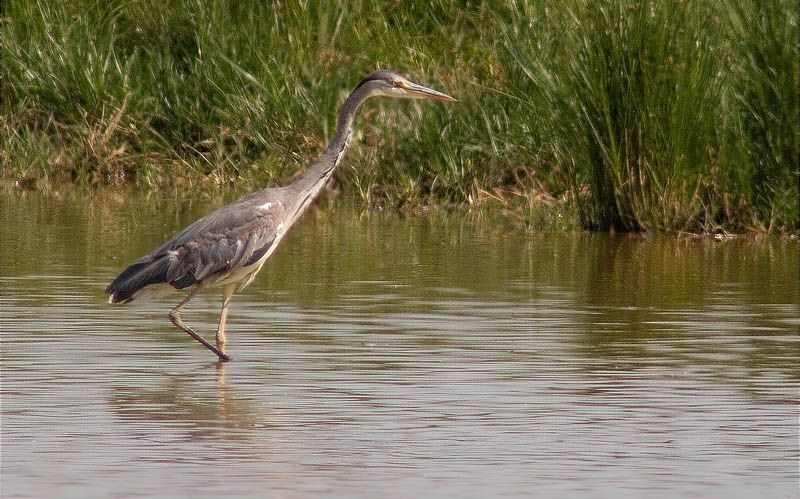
(630,115)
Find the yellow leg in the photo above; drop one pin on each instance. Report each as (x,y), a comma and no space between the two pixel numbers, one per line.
(227,292)
(175,317)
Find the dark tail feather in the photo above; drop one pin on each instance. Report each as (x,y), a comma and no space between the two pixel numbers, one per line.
(141,273)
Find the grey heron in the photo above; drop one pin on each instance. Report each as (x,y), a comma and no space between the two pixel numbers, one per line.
(228,247)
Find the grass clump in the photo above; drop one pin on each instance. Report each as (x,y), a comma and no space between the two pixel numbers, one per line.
(648,105)
(632,115)
(764,85)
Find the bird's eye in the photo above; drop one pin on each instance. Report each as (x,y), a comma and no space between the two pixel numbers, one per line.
(397,84)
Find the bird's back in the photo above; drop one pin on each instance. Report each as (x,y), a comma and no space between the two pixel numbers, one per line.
(236,236)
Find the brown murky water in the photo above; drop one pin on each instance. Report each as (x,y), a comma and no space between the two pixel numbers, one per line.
(383,356)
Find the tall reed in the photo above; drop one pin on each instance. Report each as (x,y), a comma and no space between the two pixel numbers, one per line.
(636,115)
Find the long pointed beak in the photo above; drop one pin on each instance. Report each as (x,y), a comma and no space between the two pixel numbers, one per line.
(419,92)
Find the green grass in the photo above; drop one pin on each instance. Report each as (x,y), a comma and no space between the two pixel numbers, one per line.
(617,115)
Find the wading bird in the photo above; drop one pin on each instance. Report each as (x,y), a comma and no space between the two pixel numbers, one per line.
(229,246)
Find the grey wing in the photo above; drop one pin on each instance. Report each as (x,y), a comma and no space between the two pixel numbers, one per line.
(234,237)
(221,243)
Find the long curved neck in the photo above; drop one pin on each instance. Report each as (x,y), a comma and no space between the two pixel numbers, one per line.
(317,175)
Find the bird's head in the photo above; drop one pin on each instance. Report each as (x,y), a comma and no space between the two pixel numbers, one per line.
(391,84)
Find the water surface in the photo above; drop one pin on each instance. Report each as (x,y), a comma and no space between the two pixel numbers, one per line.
(378,355)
